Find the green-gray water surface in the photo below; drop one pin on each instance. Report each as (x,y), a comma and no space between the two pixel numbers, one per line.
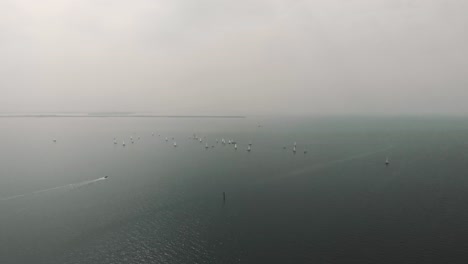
(338,203)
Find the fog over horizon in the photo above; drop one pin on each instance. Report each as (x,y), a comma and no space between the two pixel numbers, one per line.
(208,57)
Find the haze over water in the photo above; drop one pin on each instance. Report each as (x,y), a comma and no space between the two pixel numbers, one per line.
(338,203)
(384,189)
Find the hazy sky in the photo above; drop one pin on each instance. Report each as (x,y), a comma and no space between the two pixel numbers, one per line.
(235,56)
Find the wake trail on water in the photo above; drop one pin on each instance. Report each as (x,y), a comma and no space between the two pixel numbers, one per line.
(68,186)
(333,162)
(301,171)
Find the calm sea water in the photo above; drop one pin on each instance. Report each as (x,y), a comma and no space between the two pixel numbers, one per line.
(162,204)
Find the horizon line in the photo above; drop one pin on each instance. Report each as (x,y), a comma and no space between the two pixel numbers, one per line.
(112,114)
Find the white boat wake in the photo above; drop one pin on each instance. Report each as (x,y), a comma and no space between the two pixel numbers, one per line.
(301,171)
(68,186)
(333,162)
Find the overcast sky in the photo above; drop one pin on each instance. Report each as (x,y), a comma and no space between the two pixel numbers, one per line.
(235,56)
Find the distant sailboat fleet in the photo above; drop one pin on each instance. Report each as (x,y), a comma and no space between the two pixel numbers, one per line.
(223,141)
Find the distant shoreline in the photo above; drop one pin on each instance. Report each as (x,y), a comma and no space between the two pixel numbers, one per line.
(116,115)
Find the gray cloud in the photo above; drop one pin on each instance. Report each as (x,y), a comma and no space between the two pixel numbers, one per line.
(234,57)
